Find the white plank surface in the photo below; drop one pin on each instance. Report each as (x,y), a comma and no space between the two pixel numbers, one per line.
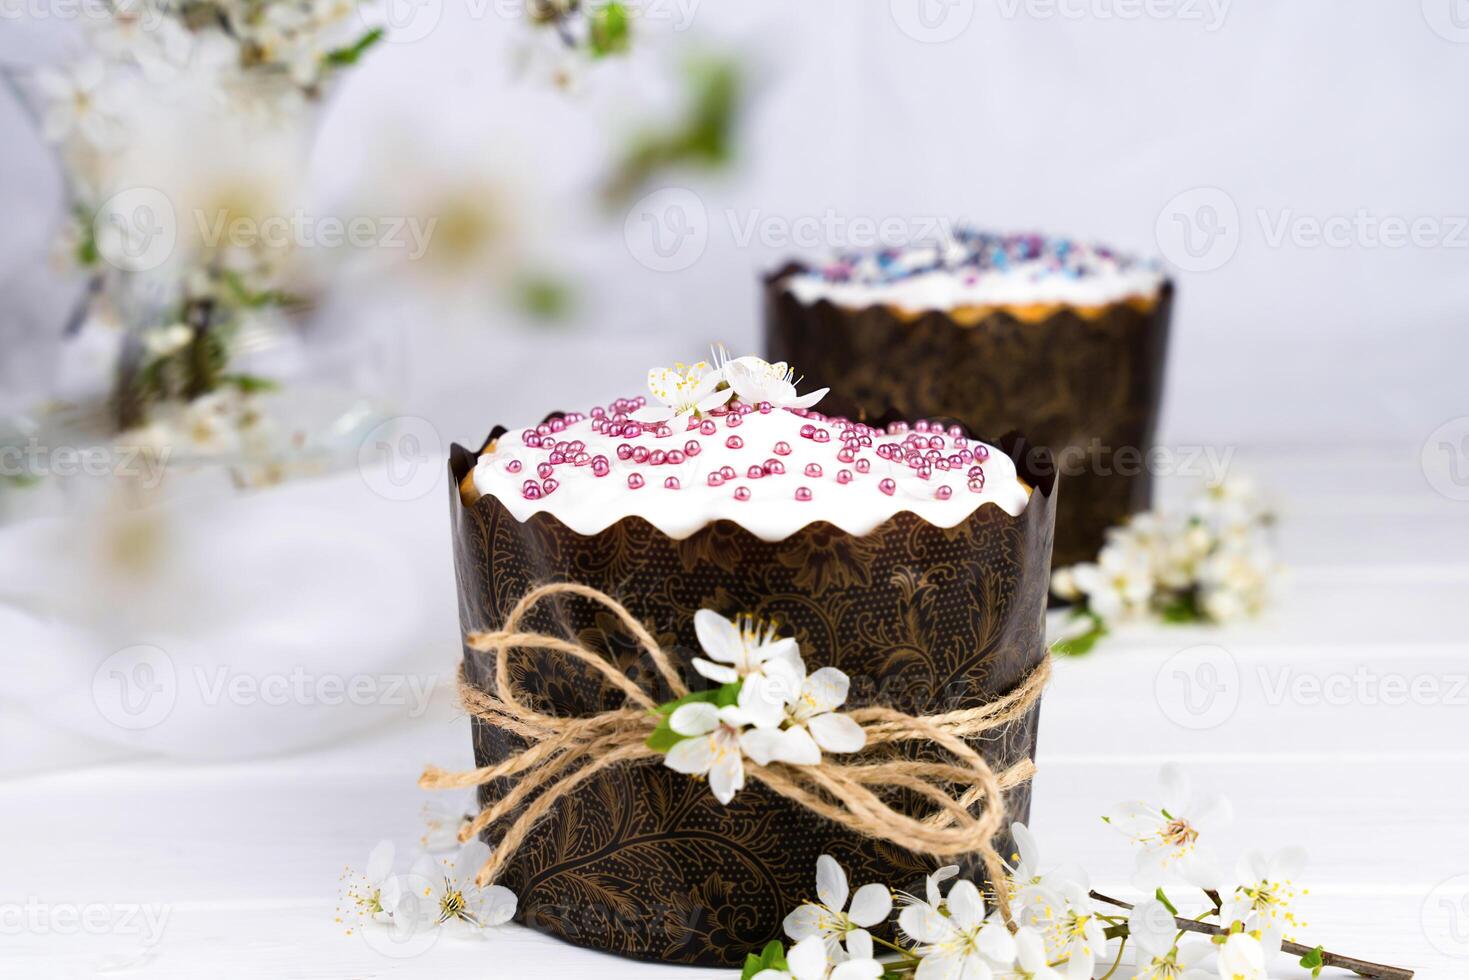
(1338,722)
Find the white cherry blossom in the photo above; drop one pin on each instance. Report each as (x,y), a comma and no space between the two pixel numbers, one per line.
(683,389)
(755,380)
(456,898)
(746,650)
(1242,958)
(77,102)
(711,746)
(1173,836)
(812,724)
(807,960)
(830,917)
(958,941)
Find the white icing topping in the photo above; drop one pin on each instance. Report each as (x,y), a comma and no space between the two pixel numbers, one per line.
(588,503)
(979,269)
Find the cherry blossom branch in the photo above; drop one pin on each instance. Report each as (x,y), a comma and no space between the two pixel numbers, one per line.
(1363,968)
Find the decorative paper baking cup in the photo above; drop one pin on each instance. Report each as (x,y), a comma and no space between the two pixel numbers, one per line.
(1086,383)
(643,861)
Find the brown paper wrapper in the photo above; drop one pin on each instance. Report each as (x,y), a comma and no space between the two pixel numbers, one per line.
(1086,383)
(645,862)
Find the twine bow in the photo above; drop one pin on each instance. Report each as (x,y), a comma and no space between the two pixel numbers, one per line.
(565,752)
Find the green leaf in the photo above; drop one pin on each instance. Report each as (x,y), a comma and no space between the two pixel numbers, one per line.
(611,30)
(342,57)
(1166,904)
(544,297)
(1082,643)
(1182,608)
(249,384)
(1315,961)
(772,957)
(704,137)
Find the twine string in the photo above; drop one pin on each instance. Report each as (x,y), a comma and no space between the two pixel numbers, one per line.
(562,753)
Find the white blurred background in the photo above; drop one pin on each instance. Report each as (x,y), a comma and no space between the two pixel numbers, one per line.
(1079,117)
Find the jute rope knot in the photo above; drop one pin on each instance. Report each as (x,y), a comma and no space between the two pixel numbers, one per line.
(562,753)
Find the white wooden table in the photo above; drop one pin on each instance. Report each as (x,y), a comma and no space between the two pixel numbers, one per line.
(1308,730)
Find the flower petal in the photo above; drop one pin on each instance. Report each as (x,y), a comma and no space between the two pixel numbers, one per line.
(831,883)
(718,673)
(966,907)
(694,718)
(727,776)
(651,414)
(692,756)
(718,636)
(865,968)
(871,905)
(808,399)
(827,688)
(807,959)
(798,749)
(762,745)
(762,701)
(1026,846)
(1151,925)
(939,965)
(995,941)
(1030,950)
(932,882)
(380,862)
(924,923)
(713,401)
(837,732)
(859,945)
(499,906)
(804,922)
(467,863)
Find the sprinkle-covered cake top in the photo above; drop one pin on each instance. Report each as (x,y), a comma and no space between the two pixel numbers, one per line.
(737,442)
(978,268)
